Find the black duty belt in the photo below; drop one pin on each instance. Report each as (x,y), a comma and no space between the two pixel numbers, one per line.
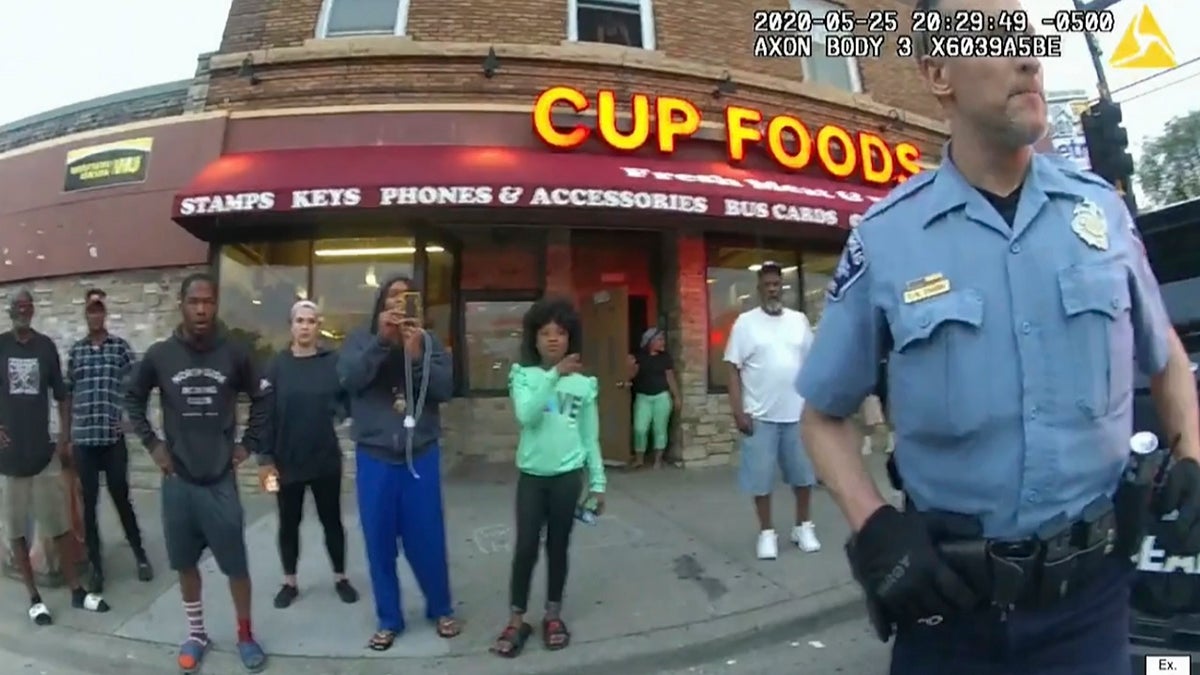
(1056,563)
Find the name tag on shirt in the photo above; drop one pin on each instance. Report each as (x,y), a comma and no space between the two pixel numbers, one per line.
(925,288)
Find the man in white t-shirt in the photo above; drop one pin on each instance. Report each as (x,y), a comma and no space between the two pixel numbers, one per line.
(766,348)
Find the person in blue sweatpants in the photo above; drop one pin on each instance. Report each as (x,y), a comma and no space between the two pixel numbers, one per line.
(397,374)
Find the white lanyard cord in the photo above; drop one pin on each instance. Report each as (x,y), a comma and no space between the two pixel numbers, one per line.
(410,432)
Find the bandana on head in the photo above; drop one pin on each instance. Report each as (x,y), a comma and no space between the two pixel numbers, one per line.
(304,304)
(649,336)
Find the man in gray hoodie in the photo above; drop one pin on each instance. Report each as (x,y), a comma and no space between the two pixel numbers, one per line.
(199,374)
(397,374)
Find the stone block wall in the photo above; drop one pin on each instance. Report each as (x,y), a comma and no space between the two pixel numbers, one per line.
(135,105)
(143,308)
(705,429)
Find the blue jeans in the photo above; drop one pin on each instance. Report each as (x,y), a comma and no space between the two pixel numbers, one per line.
(1084,635)
(771,444)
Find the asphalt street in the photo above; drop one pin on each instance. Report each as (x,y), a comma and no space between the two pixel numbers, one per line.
(848,647)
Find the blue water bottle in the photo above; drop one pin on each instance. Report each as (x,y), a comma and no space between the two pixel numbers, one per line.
(585,514)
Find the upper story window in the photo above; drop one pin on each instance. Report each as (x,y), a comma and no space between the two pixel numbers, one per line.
(351,18)
(840,72)
(629,23)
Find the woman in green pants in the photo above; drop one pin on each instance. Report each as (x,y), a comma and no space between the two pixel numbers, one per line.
(655,395)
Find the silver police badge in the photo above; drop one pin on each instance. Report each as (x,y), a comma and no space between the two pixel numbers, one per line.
(1089,224)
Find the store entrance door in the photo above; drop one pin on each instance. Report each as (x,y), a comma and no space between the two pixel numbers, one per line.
(605,315)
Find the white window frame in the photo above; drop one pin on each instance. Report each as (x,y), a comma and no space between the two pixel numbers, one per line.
(645,13)
(819,8)
(401,24)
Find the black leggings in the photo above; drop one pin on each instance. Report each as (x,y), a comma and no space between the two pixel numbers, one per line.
(327,495)
(543,501)
(113,462)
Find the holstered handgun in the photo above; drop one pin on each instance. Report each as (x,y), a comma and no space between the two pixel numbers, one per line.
(1133,505)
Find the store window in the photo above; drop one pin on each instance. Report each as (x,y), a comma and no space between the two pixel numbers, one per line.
(502,274)
(439,293)
(629,23)
(840,72)
(818,272)
(493,329)
(259,283)
(350,18)
(347,274)
(733,289)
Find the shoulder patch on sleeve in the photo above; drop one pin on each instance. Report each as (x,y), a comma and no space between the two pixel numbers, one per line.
(1135,233)
(849,269)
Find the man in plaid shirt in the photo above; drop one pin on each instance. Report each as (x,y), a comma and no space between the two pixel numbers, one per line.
(97,367)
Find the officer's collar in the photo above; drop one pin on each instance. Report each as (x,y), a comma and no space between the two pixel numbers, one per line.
(951,190)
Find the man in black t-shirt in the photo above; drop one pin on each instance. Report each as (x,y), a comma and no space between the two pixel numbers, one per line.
(33,484)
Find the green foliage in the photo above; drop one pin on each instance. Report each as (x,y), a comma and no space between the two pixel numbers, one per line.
(1169,168)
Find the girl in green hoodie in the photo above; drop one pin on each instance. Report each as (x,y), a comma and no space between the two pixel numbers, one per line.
(556,408)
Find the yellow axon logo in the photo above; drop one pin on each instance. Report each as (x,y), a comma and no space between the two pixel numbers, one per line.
(1143,44)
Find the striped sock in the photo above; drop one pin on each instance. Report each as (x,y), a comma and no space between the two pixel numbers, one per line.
(195,618)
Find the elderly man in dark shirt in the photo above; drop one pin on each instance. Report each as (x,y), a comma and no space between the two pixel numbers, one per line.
(97,367)
(30,371)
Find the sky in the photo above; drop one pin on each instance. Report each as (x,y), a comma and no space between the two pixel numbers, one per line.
(99,48)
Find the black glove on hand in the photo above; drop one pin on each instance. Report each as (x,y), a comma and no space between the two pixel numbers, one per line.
(897,564)
(1181,493)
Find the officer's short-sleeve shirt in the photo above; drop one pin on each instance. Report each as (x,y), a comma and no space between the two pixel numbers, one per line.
(1010,349)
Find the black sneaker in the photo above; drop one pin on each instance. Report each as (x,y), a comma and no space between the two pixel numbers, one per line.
(346,592)
(144,571)
(286,596)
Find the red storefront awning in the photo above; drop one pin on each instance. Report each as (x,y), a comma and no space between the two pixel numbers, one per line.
(355,178)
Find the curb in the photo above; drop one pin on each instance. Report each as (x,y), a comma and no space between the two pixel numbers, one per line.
(660,650)
(685,646)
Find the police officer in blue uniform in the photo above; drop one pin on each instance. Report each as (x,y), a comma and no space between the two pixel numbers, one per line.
(1012,299)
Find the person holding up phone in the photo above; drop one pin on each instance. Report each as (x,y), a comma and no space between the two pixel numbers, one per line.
(397,375)
(766,348)
(302,453)
(556,408)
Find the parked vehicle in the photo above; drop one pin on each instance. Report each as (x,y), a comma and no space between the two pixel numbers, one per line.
(1172,240)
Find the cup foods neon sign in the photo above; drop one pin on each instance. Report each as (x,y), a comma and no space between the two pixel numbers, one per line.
(664,120)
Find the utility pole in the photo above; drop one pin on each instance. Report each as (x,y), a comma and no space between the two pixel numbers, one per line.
(1122,183)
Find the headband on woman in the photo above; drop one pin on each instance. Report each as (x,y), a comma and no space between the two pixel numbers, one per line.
(304,304)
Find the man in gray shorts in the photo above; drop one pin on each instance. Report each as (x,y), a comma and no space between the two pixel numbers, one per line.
(199,375)
(764,353)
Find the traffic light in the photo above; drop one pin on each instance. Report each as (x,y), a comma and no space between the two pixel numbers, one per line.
(1107,142)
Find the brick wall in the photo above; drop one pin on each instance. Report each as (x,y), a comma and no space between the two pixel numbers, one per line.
(705,428)
(426,79)
(147,103)
(714,33)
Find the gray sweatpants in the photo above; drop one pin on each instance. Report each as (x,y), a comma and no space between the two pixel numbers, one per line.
(196,517)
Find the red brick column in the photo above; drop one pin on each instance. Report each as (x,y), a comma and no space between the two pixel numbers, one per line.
(558,263)
(691,343)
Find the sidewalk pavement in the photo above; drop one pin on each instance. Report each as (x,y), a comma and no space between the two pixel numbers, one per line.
(669,572)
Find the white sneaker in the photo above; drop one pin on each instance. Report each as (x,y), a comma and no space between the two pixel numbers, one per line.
(768,545)
(805,536)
